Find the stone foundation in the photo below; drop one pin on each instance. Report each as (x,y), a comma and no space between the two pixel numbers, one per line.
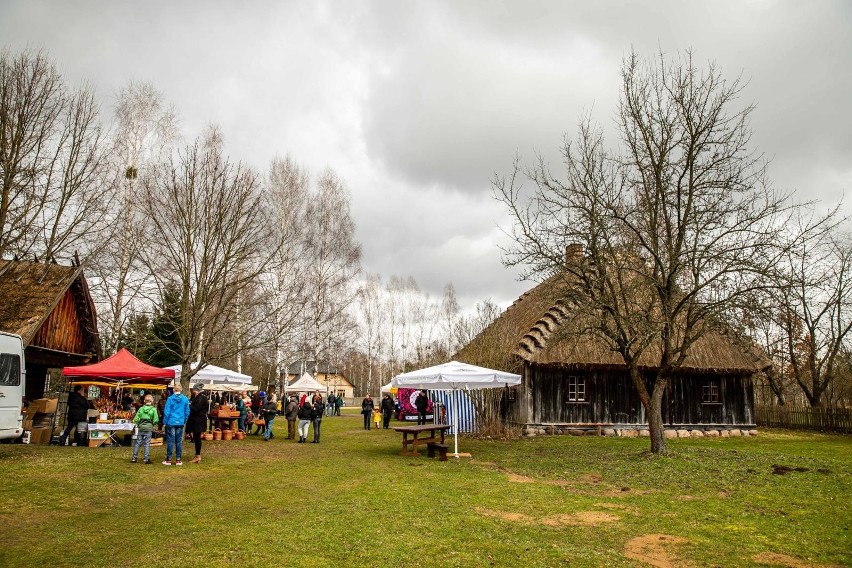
(531,430)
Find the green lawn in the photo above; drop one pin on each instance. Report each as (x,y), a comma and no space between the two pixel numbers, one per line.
(353,501)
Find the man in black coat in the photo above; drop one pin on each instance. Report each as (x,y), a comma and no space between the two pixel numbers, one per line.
(367,406)
(421,403)
(78,408)
(387,410)
(199,406)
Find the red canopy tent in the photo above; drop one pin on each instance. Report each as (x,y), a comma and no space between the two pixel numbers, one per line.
(122,367)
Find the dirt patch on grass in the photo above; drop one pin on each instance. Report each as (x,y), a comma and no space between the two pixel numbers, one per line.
(591,478)
(785,469)
(655,550)
(582,518)
(515,478)
(776,559)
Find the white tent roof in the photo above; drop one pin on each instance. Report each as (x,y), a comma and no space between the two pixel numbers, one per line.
(215,375)
(455,376)
(306,383)
(388,387)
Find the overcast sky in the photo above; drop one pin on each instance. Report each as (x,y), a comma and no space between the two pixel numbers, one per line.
(417,104)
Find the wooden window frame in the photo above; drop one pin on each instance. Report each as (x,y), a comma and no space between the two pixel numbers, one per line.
(710,393)
(576,391)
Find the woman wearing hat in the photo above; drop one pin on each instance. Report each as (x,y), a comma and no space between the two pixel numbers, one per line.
(197,423)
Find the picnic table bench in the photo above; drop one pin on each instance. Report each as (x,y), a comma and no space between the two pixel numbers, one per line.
(419,436)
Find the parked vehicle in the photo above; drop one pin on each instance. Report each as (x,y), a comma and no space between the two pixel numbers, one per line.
(12,383)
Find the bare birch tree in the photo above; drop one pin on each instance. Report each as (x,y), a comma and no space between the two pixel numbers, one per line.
(674,227)
(145,128)
(54,192)
(332,260)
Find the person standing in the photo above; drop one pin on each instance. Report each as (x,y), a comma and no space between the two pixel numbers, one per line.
(319,407)
(291,413)
(270,411)
(78,408)
(330,403)
(241,407)
(199,406)
(387,411)
(306,416)
(146,420)
(338,403)
(175,414)
(367,406)
(421,403)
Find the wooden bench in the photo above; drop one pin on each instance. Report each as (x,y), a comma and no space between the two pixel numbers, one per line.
(442,450)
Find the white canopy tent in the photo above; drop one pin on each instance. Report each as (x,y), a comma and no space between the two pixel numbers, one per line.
(211,374)
(388,388)
(455,376)
(305,383)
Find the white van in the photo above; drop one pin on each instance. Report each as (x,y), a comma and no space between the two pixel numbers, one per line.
(12,382)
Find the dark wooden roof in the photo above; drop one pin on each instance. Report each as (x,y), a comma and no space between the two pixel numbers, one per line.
(541,328)
(33,295)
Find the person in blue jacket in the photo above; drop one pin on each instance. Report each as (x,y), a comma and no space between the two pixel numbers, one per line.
(175,413)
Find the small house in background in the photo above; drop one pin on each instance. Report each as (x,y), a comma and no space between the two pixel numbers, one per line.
(574,383)
(324,373)
(50,307)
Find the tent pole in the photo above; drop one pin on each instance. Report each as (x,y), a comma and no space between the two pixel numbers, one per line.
(456,418)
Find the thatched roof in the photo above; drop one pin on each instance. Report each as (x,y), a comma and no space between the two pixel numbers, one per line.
(541,328)
(30,291)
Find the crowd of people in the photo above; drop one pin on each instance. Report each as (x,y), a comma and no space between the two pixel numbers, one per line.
(179,416)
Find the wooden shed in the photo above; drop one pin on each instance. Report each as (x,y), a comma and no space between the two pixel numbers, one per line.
(50,307)
(573,381)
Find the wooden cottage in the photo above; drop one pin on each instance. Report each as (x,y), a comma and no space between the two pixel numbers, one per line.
(50,307)
(574,382)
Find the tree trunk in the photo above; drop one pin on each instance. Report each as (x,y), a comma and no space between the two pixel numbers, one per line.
(655,418)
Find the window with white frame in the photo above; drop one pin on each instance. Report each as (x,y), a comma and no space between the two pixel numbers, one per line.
(710,393)
(576,389)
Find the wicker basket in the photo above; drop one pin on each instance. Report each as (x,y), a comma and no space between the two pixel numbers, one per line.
(227,435)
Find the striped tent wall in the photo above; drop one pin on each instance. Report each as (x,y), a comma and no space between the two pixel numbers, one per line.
(467,415)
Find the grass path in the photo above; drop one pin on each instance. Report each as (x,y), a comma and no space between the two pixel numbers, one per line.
(781,499)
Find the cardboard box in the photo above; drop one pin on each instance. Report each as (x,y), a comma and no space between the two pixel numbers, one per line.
(97,443)
(98,434)
(47,405)
(40,436)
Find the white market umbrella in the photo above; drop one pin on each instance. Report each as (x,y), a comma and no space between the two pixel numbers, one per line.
(455,376)
(215,375)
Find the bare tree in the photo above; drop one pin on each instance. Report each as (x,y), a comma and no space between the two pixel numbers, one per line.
(674,228)
(370,305)
(145,129)
(54,194)
(332,260)
(208,229)
(288,187)
(815,298)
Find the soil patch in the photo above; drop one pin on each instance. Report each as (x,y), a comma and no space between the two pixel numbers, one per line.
(655,549)
(507,516)
(785,469)
(583,518)
(515,478)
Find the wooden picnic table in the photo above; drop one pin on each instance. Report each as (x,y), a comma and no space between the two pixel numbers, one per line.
(417,439)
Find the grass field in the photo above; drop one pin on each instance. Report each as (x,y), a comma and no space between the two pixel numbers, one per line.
(353,501)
